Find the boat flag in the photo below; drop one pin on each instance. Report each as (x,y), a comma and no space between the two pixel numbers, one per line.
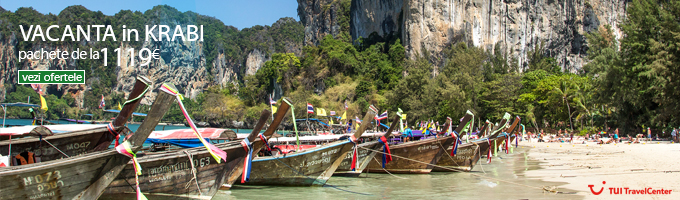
(119,107)
(310,108)
(274,109)
(344,116)
(248,161)
(332,113)
(43,103)
(37,88)
(346,106)
(271,101)
(403,116)
(216,153)
(387,155)
(320,112)
(381,116)
(357,119)
(102,103)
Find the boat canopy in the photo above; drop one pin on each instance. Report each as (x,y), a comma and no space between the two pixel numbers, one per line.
(133,114)
(186,138)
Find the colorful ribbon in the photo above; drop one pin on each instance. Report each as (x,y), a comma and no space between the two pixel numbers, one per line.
(455,144)
(264,139)
(353,140)
(247,163)
(216,153)
(387,155)
(113,132)
(507,144)
(126,150)
(489,154)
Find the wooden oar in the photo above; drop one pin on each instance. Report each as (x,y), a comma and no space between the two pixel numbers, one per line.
(116,164)
(278,118)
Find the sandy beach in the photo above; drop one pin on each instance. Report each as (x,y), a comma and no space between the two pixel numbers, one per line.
(637,167)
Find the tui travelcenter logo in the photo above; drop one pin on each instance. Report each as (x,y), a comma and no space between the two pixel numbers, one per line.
(628,191)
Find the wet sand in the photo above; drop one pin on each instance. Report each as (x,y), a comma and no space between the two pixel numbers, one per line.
(635,166)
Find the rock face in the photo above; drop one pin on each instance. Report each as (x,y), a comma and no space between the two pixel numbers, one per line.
(516,26)
(320,17)
(255,61)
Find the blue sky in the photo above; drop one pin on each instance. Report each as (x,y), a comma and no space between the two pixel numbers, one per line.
(240,14)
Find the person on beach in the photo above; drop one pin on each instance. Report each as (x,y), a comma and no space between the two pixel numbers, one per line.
(649,134)
(674,134)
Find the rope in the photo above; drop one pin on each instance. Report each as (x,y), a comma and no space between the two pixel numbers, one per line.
(193,171)
(315,180)
(55,148)
(452,169)
(388,172)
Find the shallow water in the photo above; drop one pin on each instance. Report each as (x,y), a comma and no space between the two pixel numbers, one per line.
(436,185)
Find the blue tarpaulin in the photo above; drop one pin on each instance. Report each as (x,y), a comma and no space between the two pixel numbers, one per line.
(184,143)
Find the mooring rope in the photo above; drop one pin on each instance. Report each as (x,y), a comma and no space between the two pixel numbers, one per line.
(55,148)
(481,176)
(388,172)
(193,171)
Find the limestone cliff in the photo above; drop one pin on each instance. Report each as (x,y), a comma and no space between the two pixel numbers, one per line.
(515,25)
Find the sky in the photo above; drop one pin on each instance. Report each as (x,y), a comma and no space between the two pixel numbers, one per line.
(240,14)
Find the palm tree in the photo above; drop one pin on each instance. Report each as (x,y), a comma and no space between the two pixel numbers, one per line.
(566,92)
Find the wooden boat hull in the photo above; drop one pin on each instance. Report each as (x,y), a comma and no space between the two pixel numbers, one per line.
(312,167)
(72,144)
(466,158)
(58,179)
(364,157)
(427,151)
(169,174)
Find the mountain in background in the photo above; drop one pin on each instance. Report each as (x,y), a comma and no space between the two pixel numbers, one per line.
(224,57)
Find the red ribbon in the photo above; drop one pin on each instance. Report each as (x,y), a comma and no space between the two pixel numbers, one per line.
(113,132)
(387,155)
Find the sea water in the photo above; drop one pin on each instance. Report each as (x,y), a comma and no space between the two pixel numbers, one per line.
(482,183)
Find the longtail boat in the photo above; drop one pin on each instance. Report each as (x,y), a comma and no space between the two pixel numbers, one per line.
(79,177)
(427,151)
(70,140)
(364,156)
(468,154)
(308,167)
(189,173)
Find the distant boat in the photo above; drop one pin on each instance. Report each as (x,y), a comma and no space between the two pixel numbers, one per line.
(426,151)
(364,156)
(308,167)
(62,141)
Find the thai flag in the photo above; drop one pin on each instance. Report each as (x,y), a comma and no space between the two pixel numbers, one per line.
(346,106)
(271,101)
(310,108)
(357,119)
(381,116)
(102,104)
(332,113)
